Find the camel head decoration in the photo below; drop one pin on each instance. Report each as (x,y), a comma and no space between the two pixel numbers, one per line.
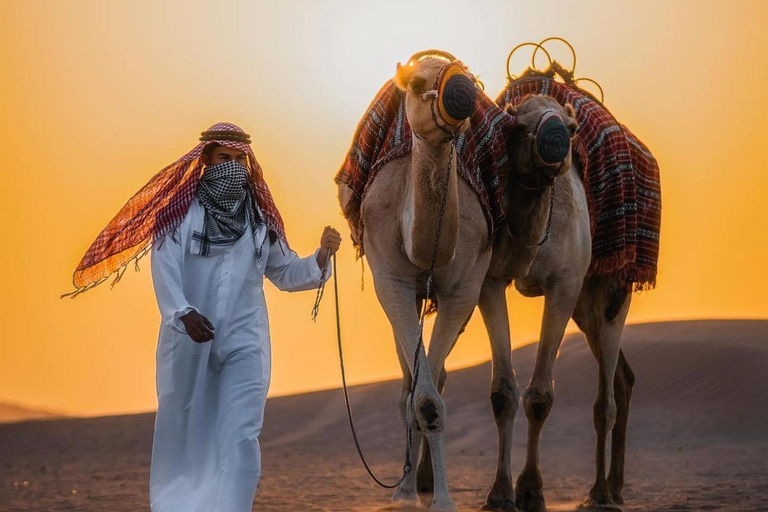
(541,145)
(440,95)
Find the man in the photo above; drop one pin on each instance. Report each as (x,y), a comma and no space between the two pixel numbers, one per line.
(214,235)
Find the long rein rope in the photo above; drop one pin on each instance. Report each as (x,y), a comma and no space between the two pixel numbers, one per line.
(408,466)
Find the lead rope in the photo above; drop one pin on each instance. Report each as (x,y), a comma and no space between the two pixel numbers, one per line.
(407,467)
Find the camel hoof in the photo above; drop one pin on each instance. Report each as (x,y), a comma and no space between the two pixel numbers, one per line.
(591,504)
(600,498)
(528,491)
(500,505)
(615,491)
(405,501)
(528,502)
(443,505)
(501,498)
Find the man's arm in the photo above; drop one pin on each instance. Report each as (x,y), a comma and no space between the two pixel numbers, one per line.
(291,273)
(176,312)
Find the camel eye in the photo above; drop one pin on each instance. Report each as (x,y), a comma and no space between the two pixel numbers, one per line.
(418,85)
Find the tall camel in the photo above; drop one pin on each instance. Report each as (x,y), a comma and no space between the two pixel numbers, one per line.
(401,212)
(546,250)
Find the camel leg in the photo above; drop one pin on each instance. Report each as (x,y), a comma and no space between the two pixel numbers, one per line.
(426,475)
(622,390)
(426,478)
(539,396)
(406,493)
(397,297)
(452,316)
(600,313)
(504,391)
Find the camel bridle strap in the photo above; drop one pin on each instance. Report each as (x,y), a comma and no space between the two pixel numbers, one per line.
(408,466)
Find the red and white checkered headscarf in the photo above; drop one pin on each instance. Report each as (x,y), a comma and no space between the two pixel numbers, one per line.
(159,207)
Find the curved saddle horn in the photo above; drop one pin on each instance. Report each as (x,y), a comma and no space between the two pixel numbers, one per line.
(555,38)
(538,46)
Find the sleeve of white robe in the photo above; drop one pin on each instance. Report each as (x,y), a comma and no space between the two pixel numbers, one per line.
(291,273)
(166,278)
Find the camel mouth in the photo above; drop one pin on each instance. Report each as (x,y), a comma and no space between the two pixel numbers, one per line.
(553,141)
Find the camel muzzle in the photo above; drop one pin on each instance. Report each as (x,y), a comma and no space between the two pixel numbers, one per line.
(456,94)
(553,141)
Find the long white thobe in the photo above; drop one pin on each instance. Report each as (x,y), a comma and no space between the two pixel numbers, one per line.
(211,396)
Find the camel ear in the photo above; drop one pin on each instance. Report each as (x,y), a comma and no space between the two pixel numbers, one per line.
(403,75)
(510,109)
(571,123)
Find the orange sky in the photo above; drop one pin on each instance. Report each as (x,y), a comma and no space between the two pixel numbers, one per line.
(98,96)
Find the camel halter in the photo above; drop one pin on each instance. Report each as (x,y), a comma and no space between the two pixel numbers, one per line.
(453,99)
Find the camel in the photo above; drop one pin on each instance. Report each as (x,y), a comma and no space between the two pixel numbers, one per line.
(546,250)
(401,213)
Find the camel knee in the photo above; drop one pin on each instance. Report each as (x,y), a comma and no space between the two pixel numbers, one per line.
(430,414)
(538,402)
(604,413)
(504,399)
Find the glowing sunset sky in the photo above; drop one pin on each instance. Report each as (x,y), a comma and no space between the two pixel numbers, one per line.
(98,96)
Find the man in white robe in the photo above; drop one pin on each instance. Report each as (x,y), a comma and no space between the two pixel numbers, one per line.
(214,233)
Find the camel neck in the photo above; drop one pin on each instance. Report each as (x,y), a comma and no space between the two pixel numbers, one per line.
(429,168)
(528,223)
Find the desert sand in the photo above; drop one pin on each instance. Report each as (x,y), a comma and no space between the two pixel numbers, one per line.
(698,436)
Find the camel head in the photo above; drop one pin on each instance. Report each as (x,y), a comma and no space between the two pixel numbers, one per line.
(439,96)
(540,147)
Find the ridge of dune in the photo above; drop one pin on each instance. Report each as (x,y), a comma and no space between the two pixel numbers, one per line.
(11,413)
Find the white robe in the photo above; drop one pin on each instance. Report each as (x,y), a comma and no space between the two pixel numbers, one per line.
(211,396)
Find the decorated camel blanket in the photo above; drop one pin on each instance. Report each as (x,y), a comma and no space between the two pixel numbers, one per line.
(621,176)
(621,179)
(383,135)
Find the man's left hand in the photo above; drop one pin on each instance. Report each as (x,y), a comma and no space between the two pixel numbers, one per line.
(330,242)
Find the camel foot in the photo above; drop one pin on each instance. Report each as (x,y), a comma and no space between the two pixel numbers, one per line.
(529,495)
(404,507)
(501,498)
(615,490)
(590,504)
(443,504)
(504,505)
(600,498)
(405,500)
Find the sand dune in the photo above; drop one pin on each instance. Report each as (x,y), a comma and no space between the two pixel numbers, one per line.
(698,436)
(10,413)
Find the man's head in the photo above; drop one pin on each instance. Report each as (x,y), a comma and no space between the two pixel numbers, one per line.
(216,153)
